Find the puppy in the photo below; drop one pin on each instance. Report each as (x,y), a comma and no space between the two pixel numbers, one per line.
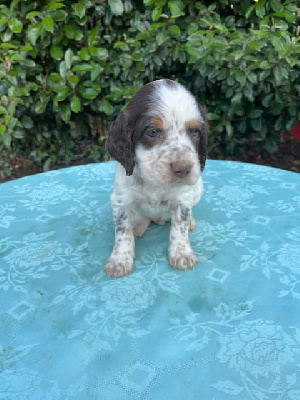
(159,142)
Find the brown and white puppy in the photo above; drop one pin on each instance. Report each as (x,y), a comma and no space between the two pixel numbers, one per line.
(159,141)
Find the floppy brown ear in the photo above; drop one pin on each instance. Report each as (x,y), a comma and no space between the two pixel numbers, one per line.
(119,143)
(202,147)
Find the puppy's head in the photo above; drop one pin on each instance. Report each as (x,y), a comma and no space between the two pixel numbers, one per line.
(162,133)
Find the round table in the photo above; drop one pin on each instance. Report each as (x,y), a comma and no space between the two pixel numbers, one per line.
(229,329)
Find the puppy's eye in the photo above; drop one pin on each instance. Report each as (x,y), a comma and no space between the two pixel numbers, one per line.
(195,133)
(153,133)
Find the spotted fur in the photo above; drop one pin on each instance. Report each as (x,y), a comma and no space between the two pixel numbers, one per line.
(158,175)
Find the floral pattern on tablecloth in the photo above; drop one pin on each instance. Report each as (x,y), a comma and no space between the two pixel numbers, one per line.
(229,329)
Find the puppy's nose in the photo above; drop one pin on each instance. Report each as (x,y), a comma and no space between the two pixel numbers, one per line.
(181,169)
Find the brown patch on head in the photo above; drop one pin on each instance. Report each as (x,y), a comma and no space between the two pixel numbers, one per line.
(193,124)
(126,130)
(147,139)
(158,123)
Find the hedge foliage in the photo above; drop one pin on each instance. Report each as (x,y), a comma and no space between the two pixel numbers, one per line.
(68,67)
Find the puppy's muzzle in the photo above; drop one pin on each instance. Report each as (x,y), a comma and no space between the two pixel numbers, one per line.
(181,169)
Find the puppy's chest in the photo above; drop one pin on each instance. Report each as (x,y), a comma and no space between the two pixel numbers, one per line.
(153,208)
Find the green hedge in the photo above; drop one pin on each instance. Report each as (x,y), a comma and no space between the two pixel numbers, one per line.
(67,68)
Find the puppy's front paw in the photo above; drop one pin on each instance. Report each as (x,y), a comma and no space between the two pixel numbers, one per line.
(119,265)
(182,257)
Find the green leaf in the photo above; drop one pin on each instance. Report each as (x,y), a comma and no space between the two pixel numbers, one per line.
(88,93)
(255,114)
(65,112)
(48,24)
(213,117)
(242,126)
(40,105)
(106,107)
(3,21)
(17,57)
(96,72)
(27,122)
(63,69)
(82,68)
(27,47)
(260,9)
(280,24)
(18,134)
(54,77)
(79,9)
(277,43)
(265,65)
(276,5)
(252,77)
(59,15)
(176,7)
(236,98)
(63,94)
(156,13)
(256,124)
(92,36)
(75,104)
(6,137)
(265,23)
(15,25)
(264,74)
(70,31)
(278,74)
(116,6)
(12,5)
(290,17)
(55,6)
(249,11)
(174,30)
(99,52)
(56,52)
(56,87)
(29,63)
(267,100)
(240,77)
(69,58)
(33,14)
(84,54)
(32,34)
(73,79)
(7,46)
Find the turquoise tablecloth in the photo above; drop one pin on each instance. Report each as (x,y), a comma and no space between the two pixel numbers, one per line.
(230,329)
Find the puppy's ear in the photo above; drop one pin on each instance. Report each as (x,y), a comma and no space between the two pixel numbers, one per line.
(119,143)
(202,147)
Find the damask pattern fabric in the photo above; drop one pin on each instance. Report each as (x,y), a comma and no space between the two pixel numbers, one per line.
(229,329)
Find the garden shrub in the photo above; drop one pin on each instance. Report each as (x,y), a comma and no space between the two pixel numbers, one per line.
(67,68)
